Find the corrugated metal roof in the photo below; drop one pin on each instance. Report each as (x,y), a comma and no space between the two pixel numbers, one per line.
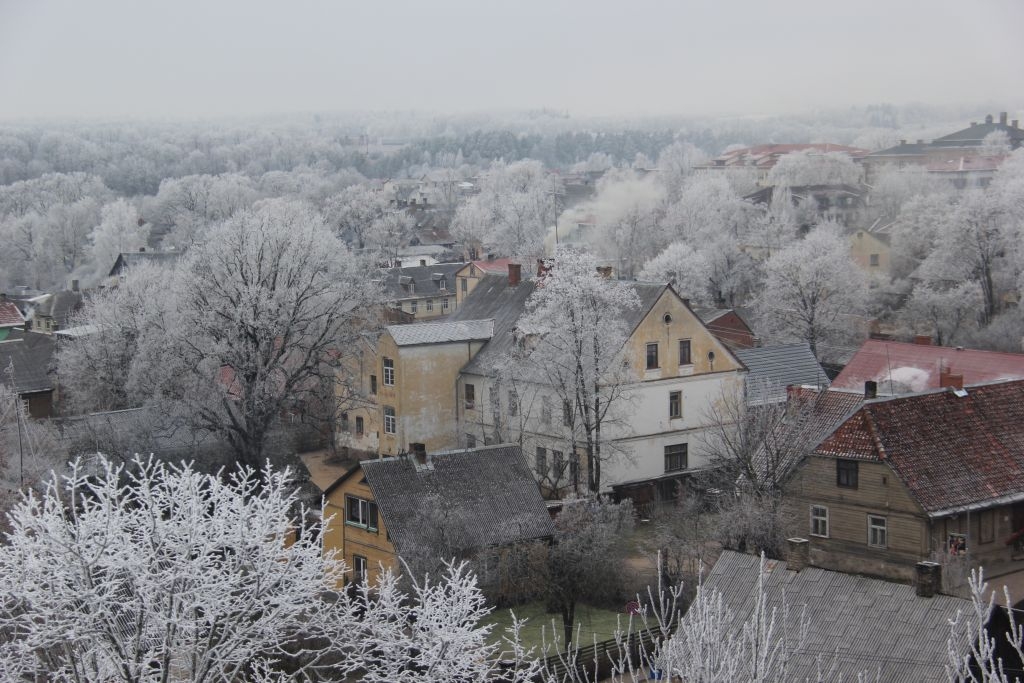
(492,490)
(773,368)
(441,332)
(10,316)
(864,624)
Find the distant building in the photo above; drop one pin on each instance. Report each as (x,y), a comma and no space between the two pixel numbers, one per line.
(762,158)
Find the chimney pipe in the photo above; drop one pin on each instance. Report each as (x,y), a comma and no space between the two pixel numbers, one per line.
(947,380)
(973,124)
(1002,117)
(798,556)
(74,285)
(903,142)
(1016,123)
(515,274)
(870,390)
(988,119)
(927,579)
(923,339)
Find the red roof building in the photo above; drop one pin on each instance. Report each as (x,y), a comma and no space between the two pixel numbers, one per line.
(10,316)
(764,157)
(901,368)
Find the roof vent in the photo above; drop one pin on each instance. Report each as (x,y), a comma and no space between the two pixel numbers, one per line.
(960,393)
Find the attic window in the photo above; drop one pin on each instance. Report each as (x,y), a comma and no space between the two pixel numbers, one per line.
(667,319)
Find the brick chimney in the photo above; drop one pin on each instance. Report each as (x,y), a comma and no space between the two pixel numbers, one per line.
(870,390)
(798,554)
(923,339)
(1015,123)
(1002,117)
(927,579)
(515,274)
(948,380)
(988,119)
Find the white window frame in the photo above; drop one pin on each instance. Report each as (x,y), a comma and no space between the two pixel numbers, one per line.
(819,518)
(389,372)
(390,421)
(875,528)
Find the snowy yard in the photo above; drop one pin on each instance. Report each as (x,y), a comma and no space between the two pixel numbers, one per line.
(592,623)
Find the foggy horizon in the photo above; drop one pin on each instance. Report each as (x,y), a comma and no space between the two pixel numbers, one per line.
(117,60)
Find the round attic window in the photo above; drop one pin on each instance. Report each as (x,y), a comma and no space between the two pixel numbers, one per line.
(667,318)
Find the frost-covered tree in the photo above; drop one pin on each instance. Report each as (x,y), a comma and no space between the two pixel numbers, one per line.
(811,290)
(812,167)
(949,310)
(687,269)
(628,210)
(151,572)
(389,233)
(570,340)
(976,654)
(119,231)
(353,211)
(189,206)
(676,163)
(512,213)
(996,143)
(253,318)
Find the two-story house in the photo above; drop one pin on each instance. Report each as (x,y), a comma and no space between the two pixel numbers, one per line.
(937,476)
(400,394)
(679,369)
(424,292)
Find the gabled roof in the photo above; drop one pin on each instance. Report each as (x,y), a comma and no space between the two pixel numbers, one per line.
(425,280)
(491,489)
(442,332)
(127,259)
(953,450)
(974,135)
(866,624)
(773,368)
(59,306)
(900,367)
(766,156)
(10,316)
(32,356)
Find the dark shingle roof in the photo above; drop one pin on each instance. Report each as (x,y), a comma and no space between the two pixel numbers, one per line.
(32,356)
(491,488)
(424,279)
(492,298)
(952,450)
(127,259)
(974,135)
(773,368)
(866,624)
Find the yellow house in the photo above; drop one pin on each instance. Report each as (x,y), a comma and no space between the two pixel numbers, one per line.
(871,251)
(457,502)
(402,389)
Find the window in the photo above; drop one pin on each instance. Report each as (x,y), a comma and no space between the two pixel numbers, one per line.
(545,410)
(470,441)
(470,395)
(390,421)
(957,544)
(442,285)
(574,467)
(389,372)
(359,424)
(558,464)
(542,461)
(344,422)
(846,473)
(513,403)
(359,568)
(492,394)
(566,413)
(676,457)
(878,534)
(987,530)
(819,521)
(373,384)
(873,260)
(652,356)
(684,352)
(430,304)
(675,404)
(444,304)
(414,307)
(464,283)
(359,512)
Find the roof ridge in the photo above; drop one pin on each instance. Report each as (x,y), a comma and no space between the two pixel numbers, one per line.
(872,428)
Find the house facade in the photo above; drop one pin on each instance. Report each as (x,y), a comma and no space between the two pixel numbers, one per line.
(930,476)
(424,292)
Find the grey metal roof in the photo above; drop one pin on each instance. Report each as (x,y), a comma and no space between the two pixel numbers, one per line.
(127,259)
(866,624)
(441,332)
(489,495)
(32,356)
(773,368)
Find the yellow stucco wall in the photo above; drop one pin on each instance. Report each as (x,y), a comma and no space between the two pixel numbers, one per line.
(353,540)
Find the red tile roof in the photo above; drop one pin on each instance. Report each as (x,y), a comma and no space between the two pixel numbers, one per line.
(952,452)
(498,265)
(10,316)
(766,156)
(899,367)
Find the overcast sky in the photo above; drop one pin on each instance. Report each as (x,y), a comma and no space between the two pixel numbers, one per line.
(177,58)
